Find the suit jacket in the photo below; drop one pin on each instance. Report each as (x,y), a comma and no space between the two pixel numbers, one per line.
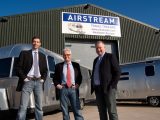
(59,73)
(24,65)
(109,72)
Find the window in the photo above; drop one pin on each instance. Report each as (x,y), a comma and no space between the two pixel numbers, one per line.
(124,73)
(14,67)
(90,73)
(5,65)
(149,70)
(124,76)
(51,64)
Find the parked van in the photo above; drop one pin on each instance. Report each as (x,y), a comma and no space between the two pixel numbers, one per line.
(140,81)
(10,98)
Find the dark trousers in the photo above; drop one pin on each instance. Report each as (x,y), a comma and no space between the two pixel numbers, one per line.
(106,103)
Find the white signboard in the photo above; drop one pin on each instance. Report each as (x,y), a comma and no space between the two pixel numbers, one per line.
(76,23)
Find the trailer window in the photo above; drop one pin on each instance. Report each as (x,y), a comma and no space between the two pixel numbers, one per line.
(51,63)
(124,76)
(5,67)
(124,73)
(149,70)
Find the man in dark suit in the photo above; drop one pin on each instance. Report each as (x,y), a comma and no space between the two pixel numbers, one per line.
(32,72)
(67,79)
(105,76)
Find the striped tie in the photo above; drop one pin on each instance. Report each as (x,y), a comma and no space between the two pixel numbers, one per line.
(35,63)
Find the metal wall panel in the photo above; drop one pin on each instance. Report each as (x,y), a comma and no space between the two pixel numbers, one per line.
(138,40)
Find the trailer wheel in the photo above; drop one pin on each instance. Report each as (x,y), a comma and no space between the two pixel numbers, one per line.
(154,101)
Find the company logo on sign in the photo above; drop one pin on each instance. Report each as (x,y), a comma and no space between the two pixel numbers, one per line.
(75,23)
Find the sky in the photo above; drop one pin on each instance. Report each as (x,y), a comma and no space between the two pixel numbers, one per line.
(146,11)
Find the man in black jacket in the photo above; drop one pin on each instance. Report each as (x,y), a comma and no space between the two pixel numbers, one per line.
(32,72)
(67,79)
(105,76)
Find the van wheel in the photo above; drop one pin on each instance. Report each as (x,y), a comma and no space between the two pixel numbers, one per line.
(154,101)
(81,104)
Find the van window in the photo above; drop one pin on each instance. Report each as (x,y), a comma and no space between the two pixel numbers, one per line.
(124,76)
(85,73)
(51,63)
(5,65)
(149,70)
(14,67)
(90,73)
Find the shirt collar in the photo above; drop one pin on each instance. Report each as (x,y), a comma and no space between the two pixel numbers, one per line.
(68,63)
(35,51)
(101,56)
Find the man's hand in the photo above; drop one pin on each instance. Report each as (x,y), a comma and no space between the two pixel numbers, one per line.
(59,86)
(76,86)
(26,80)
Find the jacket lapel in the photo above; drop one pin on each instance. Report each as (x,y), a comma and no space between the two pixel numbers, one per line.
(30,57)
(103,59)
(61,69)
(75,71)
(40,58)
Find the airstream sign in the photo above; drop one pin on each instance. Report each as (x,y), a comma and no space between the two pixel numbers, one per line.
(76,23)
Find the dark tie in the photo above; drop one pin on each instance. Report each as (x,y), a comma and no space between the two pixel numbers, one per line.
(96,72)
(69,83)
(35,64)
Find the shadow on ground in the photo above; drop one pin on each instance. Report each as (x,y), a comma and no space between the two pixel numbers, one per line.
(12,114)
(123,104)
(5,115)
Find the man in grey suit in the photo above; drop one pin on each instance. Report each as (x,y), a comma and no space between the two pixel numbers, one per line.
(32,72)
(105,76)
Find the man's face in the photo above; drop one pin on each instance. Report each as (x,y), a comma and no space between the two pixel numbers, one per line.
(67,56)
(100,49)
(36,43)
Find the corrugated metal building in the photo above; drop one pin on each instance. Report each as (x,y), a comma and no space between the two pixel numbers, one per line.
(137,41)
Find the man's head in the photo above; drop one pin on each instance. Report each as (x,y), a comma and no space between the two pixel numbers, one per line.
(67,55)
(36,42)
(100,48)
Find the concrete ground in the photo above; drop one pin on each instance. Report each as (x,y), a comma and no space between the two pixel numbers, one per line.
(130,111)
(125,111)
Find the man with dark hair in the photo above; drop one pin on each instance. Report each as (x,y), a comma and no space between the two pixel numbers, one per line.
(105,76)
(32,72)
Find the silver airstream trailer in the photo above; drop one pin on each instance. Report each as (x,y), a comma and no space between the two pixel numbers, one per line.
(10,98)
(140,81)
